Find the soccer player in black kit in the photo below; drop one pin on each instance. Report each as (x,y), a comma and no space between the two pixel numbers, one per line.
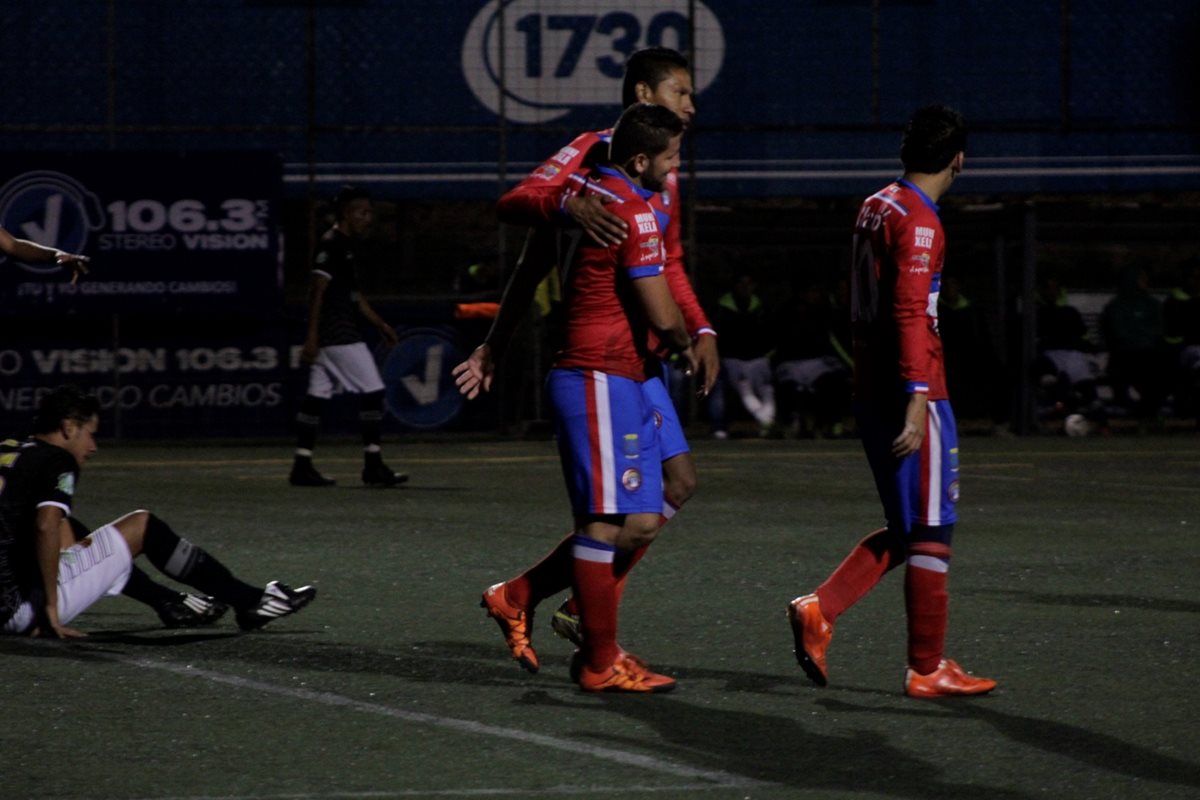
(47,578)
(334,347)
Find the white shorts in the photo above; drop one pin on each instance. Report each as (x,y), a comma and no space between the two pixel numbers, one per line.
(92,568)
(350,367)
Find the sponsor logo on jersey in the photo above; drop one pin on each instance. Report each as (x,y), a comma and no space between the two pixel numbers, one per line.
(923,237)
(631,445)
(631,479)
(646,223)
(565,155)
(547,172)
(66,483)
(920,264)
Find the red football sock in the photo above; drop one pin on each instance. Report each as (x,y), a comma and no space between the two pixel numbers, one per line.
(545,578)
(927,603)
(623,563)
(595,588)
(858,574)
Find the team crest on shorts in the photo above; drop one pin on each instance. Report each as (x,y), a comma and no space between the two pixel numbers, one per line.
(952,491)
(657,419)
(631,445)
(631,479)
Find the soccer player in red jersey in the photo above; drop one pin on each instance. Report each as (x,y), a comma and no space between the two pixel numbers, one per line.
(550,198)
(606,426)
(903,412)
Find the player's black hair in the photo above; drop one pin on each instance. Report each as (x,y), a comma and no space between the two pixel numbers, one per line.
(933,137)
(345,196)
(650,66)
(643,128)
(63,403)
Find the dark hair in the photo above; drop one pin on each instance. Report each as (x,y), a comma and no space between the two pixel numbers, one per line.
(650,66)
(63,403)
(643,128)
(933,137)
(345,196)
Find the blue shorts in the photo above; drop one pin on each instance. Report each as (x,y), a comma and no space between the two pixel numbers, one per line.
(921,489)
(671,441)
(607,441)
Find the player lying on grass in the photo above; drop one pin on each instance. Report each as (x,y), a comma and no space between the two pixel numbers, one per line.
(47,579)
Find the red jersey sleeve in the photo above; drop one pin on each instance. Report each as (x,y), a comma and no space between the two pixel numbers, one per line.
(676,273)
(538,198)
(641,255)
(913,252)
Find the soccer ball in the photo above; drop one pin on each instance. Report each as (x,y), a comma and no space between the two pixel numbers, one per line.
(1076,425)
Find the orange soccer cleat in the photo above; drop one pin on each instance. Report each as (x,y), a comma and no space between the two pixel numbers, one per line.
(515,623)
(948,680)
(812,634)
(627,674)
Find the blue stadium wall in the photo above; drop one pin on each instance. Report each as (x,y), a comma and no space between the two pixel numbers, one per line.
(427,98)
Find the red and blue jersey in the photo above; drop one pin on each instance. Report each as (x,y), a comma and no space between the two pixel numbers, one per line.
(605,328)
(898,251)
(540,198)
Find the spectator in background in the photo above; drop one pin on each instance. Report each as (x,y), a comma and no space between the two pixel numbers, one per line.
(1132,324)
(812,366)
(1066,367)
(1181,322)
(974,370)
(746,343)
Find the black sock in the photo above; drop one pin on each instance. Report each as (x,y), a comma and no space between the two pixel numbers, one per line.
(370,419)
(190,564)
(307,420)
(142,588)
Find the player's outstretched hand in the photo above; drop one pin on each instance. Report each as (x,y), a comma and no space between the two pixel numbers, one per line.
(597,221)
(76,262)
(709,363)
(476,373)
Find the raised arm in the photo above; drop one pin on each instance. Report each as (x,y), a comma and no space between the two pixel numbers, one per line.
(25,250)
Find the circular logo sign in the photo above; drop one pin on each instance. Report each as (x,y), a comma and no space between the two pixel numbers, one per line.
(559,54)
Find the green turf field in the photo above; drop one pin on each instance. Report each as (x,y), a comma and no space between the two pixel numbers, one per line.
(1074,583)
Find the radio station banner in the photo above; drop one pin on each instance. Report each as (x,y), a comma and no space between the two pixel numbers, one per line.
(176,233)
(224,376)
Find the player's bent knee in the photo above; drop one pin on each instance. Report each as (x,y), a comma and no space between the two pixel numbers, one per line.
(132,527)
(641,531)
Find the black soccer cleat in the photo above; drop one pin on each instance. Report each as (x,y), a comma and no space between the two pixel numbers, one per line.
(278,600)
(191,611)
(376,473)
(305,474)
